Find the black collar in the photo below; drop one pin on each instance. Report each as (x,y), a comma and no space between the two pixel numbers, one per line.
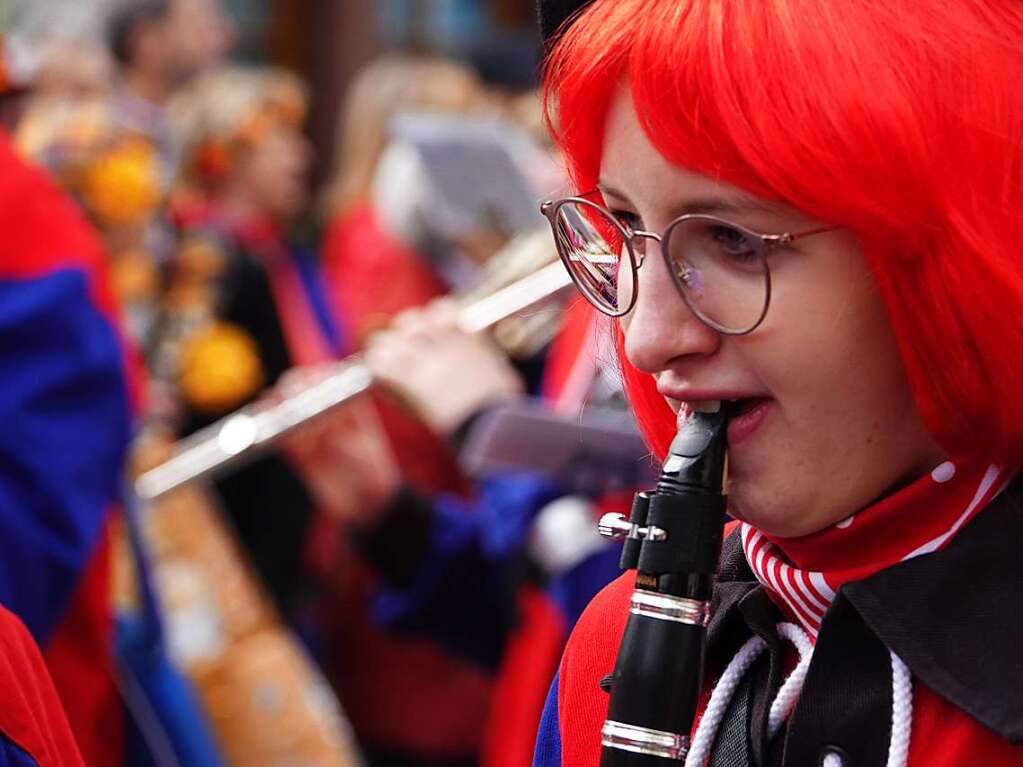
(955,617)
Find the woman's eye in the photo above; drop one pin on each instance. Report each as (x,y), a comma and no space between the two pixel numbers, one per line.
(629,220)
(733,243)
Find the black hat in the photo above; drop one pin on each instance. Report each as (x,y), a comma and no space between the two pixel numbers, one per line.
(554,13)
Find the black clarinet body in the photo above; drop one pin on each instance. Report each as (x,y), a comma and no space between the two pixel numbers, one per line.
(673,541)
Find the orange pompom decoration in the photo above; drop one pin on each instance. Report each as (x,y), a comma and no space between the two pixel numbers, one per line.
(220,368)
(123,185)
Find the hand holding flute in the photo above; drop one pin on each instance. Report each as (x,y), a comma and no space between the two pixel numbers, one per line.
(344,458)
(441,372)
(256,428)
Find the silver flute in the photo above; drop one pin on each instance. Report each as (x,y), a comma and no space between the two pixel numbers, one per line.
(257,427)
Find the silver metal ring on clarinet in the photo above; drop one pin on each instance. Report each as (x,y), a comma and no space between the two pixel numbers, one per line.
(669,608)
(641,740)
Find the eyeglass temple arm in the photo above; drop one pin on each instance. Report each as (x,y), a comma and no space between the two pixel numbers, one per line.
(785,239)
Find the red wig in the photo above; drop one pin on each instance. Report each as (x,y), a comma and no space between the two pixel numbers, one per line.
(900,120)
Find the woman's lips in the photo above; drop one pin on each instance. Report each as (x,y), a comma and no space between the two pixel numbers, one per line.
(751,415)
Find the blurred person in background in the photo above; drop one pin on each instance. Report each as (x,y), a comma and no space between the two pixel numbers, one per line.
(497,577)
(454,562)
(244,303)
(410,701)
(55,67)
(160,45)
(102,132)
(65,406)
(363,255)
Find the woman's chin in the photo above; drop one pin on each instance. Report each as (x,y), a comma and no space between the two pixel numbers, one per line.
(768,513)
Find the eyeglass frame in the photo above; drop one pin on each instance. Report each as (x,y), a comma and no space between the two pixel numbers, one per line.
(768,242)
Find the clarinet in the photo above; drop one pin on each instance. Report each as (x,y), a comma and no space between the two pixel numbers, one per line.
(673,541)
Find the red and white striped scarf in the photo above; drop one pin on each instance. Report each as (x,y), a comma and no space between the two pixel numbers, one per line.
(803,574)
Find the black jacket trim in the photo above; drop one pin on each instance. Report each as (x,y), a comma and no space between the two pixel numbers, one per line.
(954,617)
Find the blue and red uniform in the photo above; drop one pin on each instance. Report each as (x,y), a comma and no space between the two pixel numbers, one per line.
(66,415)
(463,574)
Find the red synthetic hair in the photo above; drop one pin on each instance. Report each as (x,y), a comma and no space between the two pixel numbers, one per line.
(898,119)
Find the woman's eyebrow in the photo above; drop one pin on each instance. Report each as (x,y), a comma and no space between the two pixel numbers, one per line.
(606,190)
(739,203)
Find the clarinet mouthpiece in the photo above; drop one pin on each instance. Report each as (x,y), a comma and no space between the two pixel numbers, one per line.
(697,456)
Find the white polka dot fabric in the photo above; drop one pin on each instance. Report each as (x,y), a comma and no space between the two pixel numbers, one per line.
(804,573)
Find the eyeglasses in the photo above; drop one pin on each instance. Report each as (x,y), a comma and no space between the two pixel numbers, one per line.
(719,268)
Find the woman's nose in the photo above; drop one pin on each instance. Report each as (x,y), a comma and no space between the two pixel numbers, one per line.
(661,328)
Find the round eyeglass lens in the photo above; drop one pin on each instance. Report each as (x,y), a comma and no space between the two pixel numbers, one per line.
(594,248)
(721,271)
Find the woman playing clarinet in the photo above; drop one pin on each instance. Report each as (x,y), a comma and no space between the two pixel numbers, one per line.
(806,214)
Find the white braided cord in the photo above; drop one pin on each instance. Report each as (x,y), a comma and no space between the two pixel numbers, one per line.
(707,730)
(902,713)
(788,695)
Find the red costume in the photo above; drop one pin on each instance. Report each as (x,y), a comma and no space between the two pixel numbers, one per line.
(371,276)
(34,730)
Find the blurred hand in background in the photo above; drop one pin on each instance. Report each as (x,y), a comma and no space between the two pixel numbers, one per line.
(343,456)
(445,374)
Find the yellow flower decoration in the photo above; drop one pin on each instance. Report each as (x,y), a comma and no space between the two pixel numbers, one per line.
(220,368)
(123,185)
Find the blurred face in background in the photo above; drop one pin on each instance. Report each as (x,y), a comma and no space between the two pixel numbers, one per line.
(272,175)
(73,70)
(198,35)
(68,71)
(388,86)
